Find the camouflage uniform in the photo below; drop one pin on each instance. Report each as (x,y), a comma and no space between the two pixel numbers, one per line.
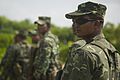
(45,60)
(93,60)
(6,69)
(21,63)
(88,61)
(18,60)
(35,45)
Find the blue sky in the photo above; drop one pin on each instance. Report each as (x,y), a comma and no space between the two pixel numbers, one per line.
(31,9)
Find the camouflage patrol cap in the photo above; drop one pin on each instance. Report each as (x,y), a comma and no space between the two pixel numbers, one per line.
(88,8)
(33,32)
(43,20)
(23,33)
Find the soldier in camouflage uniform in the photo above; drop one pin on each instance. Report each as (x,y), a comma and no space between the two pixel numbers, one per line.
(5,69)
(93,57)
(18,59)
(34,46)
(45,63)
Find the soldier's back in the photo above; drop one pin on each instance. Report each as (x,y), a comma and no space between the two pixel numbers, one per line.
(22,58)
(7,62)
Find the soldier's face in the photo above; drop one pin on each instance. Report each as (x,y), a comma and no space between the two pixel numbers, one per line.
(42,29)
(35,38)
(83,26)
(17,39)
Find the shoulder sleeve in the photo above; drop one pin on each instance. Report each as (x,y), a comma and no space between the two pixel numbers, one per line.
(9,57)
(78,66)
(42,58)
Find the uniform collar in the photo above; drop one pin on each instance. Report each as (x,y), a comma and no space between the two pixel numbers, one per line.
(99,36)
(49,32)
(95,38)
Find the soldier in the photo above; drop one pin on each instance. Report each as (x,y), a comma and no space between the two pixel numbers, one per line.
(35,45)
(6,71)
(45,63)
(6,68)
(35,37)
(18,59)
(92,58)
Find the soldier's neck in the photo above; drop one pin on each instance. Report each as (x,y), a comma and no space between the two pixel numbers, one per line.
(89,38)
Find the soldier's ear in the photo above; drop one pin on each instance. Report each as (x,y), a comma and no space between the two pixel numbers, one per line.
(97,26)
(97,23)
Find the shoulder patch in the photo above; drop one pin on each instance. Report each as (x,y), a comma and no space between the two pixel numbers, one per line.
(81,43)
(78,45)
(92,48)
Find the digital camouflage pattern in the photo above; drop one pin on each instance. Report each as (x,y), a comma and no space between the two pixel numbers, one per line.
(43,20)
(5,67)
(34,46)
(95,59)
(17,61)
(87,61)
(22,60)
(88,8)
(45,60)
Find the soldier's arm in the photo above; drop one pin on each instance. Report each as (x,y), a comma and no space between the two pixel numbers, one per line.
(9,60)
(11,56)
(42,59)
(4,59)
(79,66)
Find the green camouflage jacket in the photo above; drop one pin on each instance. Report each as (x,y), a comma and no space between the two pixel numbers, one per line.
(88,61)
(22,60)
(5,67)
(46,54)
(18,61)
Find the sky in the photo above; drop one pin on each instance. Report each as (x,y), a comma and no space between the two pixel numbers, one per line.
(56,9)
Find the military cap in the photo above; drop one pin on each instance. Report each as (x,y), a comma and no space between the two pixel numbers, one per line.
(43,20)
(23,33)
(88,8)
(32,32)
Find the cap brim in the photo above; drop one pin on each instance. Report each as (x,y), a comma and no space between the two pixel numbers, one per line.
(40,22)
(33,32)
(75,14)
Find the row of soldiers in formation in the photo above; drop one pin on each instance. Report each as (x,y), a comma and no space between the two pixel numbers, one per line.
(38,61)
(91,57)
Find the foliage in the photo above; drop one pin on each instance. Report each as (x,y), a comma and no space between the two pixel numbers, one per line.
(9,27)
(112,34)
(64,34)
